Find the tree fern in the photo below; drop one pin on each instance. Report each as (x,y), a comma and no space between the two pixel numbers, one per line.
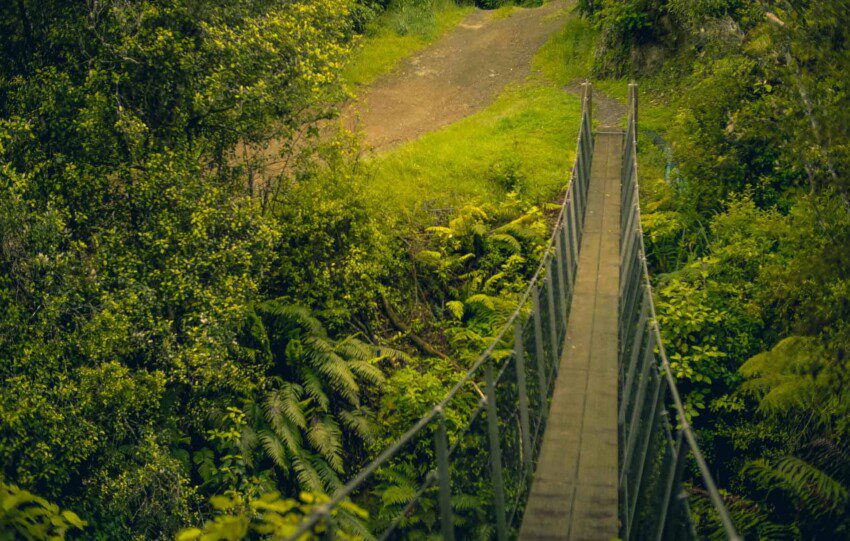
(338,375)
(313,410)
(314,385)
(308,477)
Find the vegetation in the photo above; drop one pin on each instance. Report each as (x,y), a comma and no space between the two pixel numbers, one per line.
(200,289)
(749,240)
(400,30)
(516,144)
(199,300)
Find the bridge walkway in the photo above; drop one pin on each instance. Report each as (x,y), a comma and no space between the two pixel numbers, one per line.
(574,488)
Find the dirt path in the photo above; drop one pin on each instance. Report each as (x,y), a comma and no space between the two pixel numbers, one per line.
(607,112)
(460,74)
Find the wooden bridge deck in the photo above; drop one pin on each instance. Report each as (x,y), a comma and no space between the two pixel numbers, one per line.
(574,490)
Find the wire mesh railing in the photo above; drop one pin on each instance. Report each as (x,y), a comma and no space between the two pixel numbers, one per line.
(474,452)
(653,452)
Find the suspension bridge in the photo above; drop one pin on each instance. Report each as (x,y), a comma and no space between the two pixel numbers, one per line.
(569,426)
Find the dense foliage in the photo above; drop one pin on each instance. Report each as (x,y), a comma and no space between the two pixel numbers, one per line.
(132,248)
(751,242)
(198,309)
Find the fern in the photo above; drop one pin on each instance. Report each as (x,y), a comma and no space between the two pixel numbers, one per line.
(325,437)
(316,401)
(455,308)
(507,241)
(398,495)
(367,371)
(290,316)
(275,449)
(809,486)
(784,377)
(360,423)
(307,475)
(314,386)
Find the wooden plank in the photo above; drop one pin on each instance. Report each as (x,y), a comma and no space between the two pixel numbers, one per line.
(574,489)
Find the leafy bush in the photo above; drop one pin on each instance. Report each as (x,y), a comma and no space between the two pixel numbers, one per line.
(24,515)
(274,518)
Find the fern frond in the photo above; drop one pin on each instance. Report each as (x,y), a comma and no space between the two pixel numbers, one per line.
(367,372)
(307,475)
(481,301)
(353,524)
(248,442)
(815,489)
(315,389)
(275,449)
(398,495)
(283,406)
(328,476)
(392,353)
(327,362)
(429,258)
(465,502)
(489,303)
(491,283)
(783,378)
(360,423)
(274,410)
(354,349)
(290,316)
(291,395)
(439,230)
(398,474)
(325,437)
(455,308)
(507,241)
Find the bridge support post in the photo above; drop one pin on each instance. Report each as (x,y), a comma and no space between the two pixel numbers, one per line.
(524,424)
(568,262)
(675,453)
(562,288)
(495,455)
(553,329)
(574,238)
(444,478)
(540,355)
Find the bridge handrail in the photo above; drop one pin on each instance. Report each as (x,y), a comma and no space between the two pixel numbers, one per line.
(639,341)
(555,273)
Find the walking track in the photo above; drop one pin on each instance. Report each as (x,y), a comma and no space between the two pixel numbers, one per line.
(458,75)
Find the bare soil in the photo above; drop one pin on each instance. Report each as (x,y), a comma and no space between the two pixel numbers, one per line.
(459,74)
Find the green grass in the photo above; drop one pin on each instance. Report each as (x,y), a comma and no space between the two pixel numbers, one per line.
(568,55)
(505,11)
(406,27)
(567,58)
(532,127)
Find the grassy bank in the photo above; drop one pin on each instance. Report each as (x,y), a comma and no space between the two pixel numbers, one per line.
(403,29)
(526,136)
